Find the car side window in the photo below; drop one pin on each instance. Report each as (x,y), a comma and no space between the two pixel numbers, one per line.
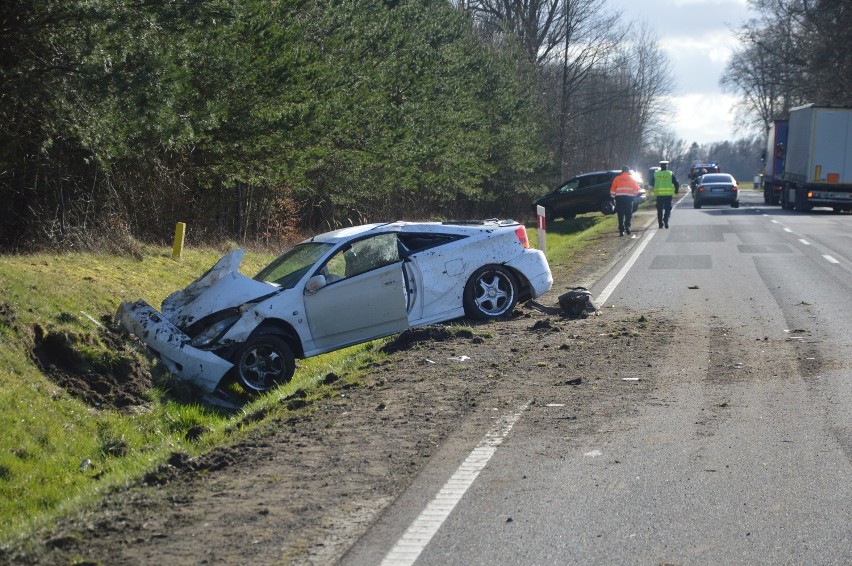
(570,186)
(413,243)
(362,256)
(600,179)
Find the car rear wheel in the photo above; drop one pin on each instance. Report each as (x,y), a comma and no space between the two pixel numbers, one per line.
(696,204)
(264,362)
(735,204)
(491,292)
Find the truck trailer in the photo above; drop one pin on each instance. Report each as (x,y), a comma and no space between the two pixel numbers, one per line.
(818,158)
(773,156)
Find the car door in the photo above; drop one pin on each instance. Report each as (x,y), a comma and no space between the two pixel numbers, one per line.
(587,195)
(436,270)
(565,197)
(364,296)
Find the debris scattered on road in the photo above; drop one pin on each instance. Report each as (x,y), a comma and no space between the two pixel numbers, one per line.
(544,325)
(693,287)
(577,303)
(593,454)
(459,358)
(629,379)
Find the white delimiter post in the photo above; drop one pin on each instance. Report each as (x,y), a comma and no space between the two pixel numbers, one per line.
(542,234)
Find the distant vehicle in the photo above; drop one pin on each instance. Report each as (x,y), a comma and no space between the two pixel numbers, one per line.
(716,188)
(773,156)
(334,290)
(584,193)
(817,167)
(698,169)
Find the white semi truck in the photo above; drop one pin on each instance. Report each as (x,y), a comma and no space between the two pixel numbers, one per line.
(818,158)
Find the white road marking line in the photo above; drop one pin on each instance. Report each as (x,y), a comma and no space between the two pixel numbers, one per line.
(830,259)
(804,242)
(788,230)
(411,544)
(775,222)
(621,274)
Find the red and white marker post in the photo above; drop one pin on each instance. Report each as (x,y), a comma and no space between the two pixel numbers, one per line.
(542,232)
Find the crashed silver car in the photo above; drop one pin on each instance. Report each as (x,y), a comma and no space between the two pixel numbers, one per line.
(335,290)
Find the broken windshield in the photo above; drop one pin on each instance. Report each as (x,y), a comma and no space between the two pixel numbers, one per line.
(287,269)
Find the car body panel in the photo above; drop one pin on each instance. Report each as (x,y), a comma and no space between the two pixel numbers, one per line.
(331,291)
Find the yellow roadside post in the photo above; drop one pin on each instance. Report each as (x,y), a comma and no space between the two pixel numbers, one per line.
(180,233)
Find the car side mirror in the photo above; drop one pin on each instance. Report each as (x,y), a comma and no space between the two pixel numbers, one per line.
(314,284)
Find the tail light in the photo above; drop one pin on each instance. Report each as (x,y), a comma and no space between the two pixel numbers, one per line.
(700,188)
(734,188)
(521,233)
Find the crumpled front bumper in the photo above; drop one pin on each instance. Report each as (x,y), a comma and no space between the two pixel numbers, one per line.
(204,369)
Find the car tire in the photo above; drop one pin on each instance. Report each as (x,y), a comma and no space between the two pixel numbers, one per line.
(696,204)
(606,207)
(490,293)
(735,204)
(264,362)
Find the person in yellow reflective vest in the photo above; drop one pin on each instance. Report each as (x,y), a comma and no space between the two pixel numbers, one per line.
(623,189)
(665,187)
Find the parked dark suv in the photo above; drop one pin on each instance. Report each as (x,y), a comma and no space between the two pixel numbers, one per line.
(588,192)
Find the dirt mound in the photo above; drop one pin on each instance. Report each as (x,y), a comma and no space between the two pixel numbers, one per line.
(414,336)
(78,363)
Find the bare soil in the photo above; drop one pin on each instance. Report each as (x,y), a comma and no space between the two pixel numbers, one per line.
(304,488)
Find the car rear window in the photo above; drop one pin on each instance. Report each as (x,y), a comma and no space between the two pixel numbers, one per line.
(717,179)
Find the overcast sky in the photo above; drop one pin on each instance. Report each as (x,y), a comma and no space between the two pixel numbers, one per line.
(697,37)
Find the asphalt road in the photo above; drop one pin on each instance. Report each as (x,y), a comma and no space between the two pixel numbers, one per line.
(742,454)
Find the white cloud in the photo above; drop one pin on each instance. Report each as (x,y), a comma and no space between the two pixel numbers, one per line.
(679,3)
(703,118)
(698,37)
(707,46)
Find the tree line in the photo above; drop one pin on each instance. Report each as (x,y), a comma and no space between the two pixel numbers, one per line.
(261,120)
(795,52)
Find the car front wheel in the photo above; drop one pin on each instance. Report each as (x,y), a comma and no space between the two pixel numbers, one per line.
(491,292)
(264,362)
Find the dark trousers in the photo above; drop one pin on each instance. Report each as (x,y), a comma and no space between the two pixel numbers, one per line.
(664,209)
(624,210)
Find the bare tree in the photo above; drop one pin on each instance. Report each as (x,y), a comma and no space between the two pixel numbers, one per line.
(545,29)
(797,52)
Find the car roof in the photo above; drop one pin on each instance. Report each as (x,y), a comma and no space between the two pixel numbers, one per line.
(450,227)
(607,171)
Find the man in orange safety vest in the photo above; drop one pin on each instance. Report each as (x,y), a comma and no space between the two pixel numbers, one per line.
(624,189)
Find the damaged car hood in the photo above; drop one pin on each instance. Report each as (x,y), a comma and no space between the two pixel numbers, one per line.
(220,288)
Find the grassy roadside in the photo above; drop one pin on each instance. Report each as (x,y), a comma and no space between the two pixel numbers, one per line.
(59,451)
